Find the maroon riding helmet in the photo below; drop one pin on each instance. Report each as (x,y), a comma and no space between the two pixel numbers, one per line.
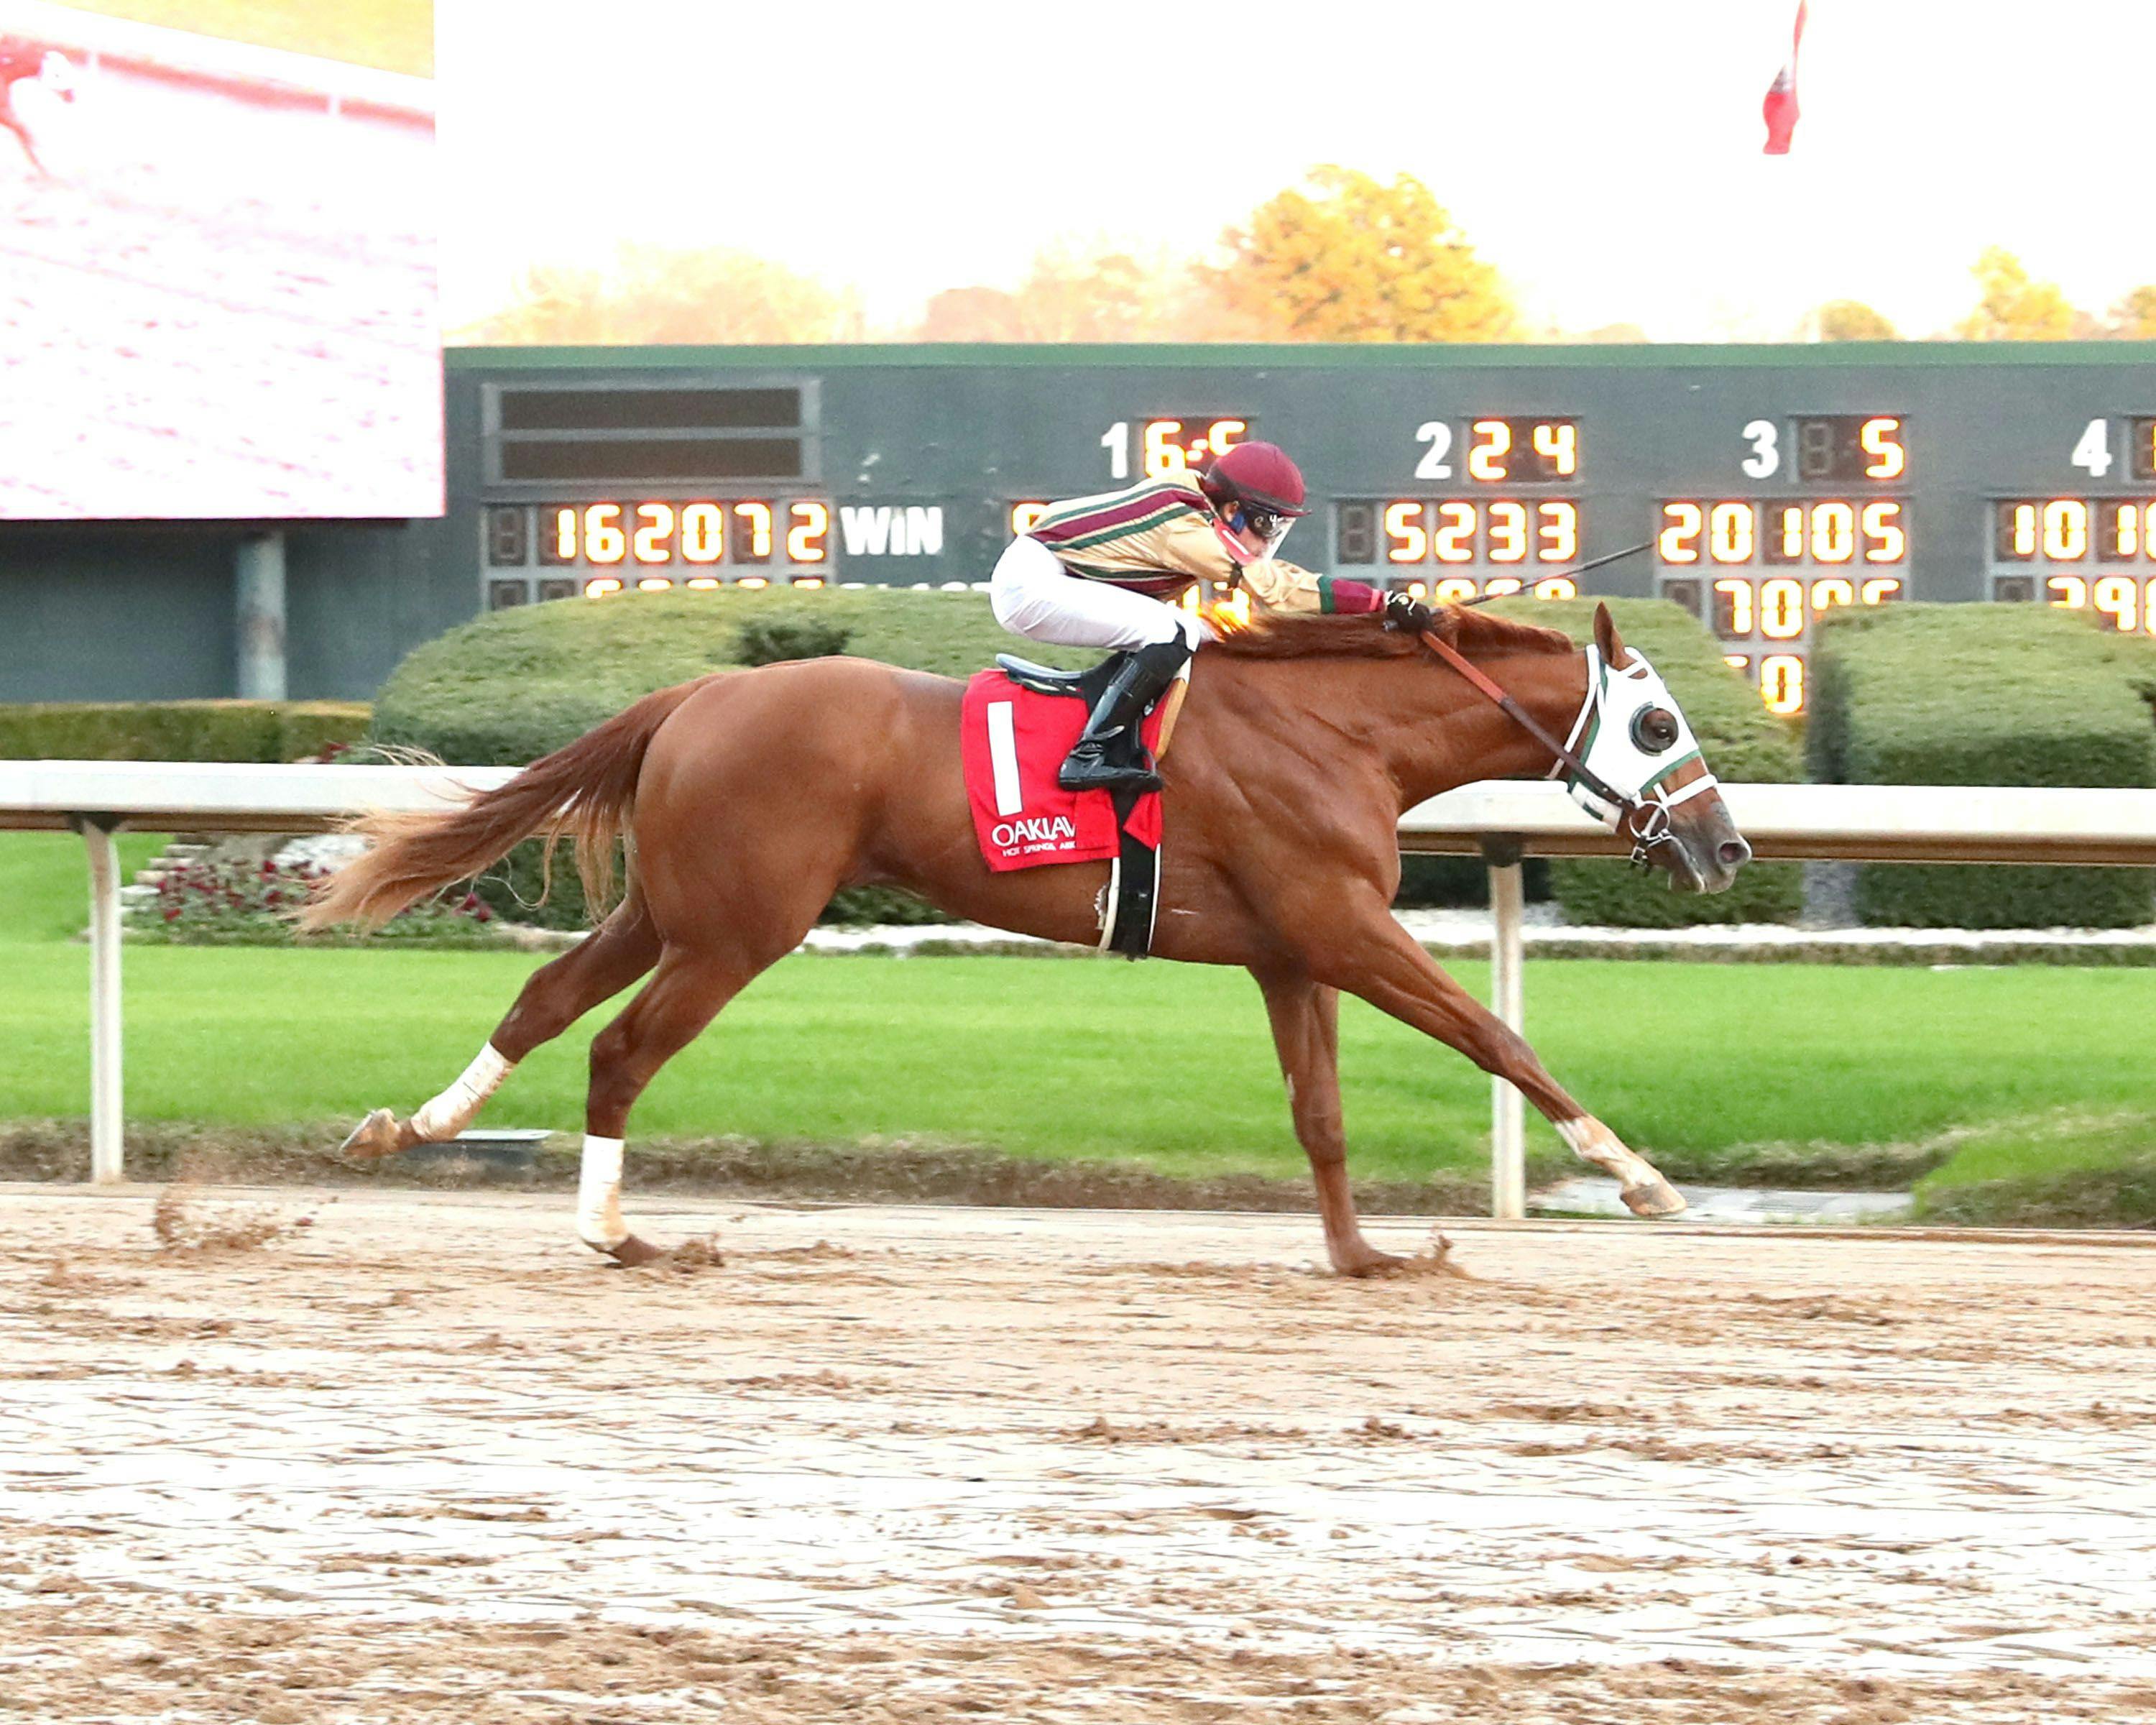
(1259,476)
(1256,485)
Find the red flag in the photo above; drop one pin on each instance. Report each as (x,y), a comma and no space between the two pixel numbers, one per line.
(1780,107)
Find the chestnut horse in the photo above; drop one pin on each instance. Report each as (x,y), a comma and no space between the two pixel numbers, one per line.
(749,798)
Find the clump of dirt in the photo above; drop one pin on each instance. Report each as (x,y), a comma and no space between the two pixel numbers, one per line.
(1435,1260)
(180,1225)
(694,1256)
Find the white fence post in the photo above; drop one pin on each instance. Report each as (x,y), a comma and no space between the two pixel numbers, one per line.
(107,1113)
(1509,1154)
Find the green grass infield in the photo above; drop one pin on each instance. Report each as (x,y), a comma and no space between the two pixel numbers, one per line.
(1989,1086)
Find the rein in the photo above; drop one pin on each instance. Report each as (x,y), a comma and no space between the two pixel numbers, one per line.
(1651,819)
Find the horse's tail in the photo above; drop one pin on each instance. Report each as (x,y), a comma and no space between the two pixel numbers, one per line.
(583,792)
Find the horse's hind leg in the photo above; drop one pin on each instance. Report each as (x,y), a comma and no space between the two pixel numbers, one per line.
(555,996)
(686,994)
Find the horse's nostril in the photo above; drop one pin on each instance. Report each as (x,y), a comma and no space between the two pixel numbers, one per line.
(1734,853)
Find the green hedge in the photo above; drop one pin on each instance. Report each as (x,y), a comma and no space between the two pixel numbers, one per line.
(179,730)
(1742,742)
(1978,694)
(516,684)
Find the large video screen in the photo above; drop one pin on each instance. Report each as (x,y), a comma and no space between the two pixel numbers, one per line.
(217,293)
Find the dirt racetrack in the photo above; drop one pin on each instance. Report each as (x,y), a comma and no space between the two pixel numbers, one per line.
(426,1459)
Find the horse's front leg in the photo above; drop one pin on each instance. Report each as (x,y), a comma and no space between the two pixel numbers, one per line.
(1306,1020)
(1372,957)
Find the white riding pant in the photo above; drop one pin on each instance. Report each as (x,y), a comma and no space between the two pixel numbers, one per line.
(1034,595)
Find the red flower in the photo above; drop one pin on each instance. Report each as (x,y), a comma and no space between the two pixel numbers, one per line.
(171,913)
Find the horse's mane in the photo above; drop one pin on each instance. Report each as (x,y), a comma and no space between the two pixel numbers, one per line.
(1476,634)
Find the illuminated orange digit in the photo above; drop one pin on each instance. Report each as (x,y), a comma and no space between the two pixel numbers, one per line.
(2118,596)
(1880,438)
(1884,539)
(703,533)
(1557,533)
(2069,592)
(2148,531)
(1501,587)
(565,535)
(1454,541)
(1558,445)
(758,517)
(1508,532)
(1493,442)
(1163,452)
(1731,532)
(2125,531)
(1222,435)
(602,587)
(1024,517)
(1834,532)
(604,541)
(1556,586)
(2024,530)
(702,584)
(1831,590)
(1679,541)
(1738,593)
(1781,609)
(1880,590)
(805,539)
(1782,683)
(655,528)
(1452,590)
(1791,530)
(653,583)
(2065,529)
(1406,540)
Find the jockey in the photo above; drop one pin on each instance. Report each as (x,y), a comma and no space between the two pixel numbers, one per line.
(1104,571)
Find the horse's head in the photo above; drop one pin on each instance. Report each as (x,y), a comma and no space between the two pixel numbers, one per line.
(1632,738)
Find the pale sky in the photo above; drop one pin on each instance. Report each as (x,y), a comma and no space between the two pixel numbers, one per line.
(1603,154)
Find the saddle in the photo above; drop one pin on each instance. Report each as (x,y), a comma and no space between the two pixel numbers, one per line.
(1086,686)
(1023,819)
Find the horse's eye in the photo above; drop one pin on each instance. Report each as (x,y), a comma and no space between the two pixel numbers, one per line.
(1654,729)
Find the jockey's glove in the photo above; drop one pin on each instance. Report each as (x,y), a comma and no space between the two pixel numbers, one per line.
(1408,615)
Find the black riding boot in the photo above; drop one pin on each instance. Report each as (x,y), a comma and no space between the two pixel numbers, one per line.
(1143,679)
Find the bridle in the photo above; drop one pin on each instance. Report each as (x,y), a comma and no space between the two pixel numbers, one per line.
(1648,812)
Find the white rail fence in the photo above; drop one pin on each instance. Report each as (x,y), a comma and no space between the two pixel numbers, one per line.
(1503,821)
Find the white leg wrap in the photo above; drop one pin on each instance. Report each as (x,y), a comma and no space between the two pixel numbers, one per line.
(450,1113)
(599,1195)
(1591,1141)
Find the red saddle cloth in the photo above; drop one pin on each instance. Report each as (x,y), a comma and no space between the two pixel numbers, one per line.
(1011,741)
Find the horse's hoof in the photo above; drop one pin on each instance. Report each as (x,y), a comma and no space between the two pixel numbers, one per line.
(1361,1259)
(633,1251)
(1654,1198)
(373,1136)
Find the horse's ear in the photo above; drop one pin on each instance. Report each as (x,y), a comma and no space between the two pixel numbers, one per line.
(1606,637)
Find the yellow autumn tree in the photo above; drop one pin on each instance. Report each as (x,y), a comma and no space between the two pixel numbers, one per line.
(1076,294)
(2133,318)
(657,294)
(2010,307)
(1344,257)
(1852,320)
